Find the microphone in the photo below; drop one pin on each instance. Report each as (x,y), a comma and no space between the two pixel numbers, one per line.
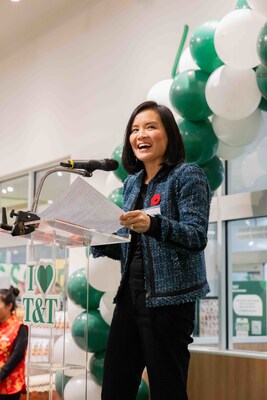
(91,165)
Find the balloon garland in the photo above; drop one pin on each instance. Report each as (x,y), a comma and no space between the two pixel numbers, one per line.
(220,89)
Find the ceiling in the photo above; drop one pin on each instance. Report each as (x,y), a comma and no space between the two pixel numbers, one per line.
(23,20)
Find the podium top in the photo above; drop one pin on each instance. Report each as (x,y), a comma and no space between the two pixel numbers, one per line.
(67,234)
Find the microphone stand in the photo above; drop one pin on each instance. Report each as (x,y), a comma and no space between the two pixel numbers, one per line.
(82,172)
(19,227)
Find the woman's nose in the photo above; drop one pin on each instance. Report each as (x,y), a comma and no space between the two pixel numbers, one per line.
(141,133)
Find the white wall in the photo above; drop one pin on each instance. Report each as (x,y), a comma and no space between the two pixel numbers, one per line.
(70,88)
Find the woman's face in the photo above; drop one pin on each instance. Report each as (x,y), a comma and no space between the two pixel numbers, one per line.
(148,138)
(5,311)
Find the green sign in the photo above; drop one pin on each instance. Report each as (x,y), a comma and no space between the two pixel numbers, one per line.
(249,308)
(40,305)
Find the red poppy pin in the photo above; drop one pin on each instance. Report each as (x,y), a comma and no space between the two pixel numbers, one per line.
(155,199)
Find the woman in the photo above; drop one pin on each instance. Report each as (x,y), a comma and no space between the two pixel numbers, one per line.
(13,344)
(166,204)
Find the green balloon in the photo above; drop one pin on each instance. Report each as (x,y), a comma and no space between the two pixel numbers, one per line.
(262,45)
(263,104)
(199,140)
(116,197)
(96,367)
(79,290)
(143,391)
(202,47)
(60,382)
(242,4)
(261,76)
(187,95)
(116,155)
(90,331)
(215,172)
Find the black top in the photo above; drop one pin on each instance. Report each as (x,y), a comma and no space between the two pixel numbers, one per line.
(136,269)
(18,352)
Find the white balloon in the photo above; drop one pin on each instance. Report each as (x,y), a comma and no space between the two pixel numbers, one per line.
(236,36)
(160,93)
(65,347)
(232,93)
(186,61)
(106,306)
(239,132)
(104,273)
(73,310)
(227,152)
(111,183)
(260,6)
(77,388)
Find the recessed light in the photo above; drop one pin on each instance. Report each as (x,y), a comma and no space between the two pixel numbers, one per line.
(10,189)
(4,191)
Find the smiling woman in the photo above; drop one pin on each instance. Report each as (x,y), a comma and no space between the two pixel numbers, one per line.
(166,209)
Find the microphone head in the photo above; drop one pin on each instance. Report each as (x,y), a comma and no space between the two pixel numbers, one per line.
(111,165)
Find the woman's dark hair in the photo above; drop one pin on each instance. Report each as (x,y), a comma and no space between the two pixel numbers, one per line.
(175,152)
(8,296)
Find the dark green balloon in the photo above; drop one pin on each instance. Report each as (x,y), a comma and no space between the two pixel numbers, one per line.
(242,4)
(116,155)
(60,382)
(96,367)
(116,197)
(199,140)
(262,45)
(202,47)
(187,95)
(92,330)
(143,391)
(263,104)
(79,290)
(261,76)
(215,172)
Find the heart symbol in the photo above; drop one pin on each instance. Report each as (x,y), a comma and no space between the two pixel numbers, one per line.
(45,276)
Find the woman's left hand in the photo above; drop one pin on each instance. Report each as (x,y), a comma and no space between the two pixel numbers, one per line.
(137,221)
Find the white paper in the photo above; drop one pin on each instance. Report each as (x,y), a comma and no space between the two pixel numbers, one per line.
(83,205)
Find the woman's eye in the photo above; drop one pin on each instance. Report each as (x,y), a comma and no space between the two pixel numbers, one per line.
(134,130)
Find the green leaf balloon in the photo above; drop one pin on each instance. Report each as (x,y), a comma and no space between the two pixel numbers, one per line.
(143,391)
(60,382)
(96,367)
(261,76)
(199,140)
(202,47)
(262,45)
(116,155)
(116,197)
(187,95)
(215,172)
(242,4)
(263,104)
(79,290)
(90,331)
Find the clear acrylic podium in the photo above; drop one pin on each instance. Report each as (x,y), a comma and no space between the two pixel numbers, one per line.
(49,361)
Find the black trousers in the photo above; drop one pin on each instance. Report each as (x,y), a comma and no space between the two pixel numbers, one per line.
(155,338)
